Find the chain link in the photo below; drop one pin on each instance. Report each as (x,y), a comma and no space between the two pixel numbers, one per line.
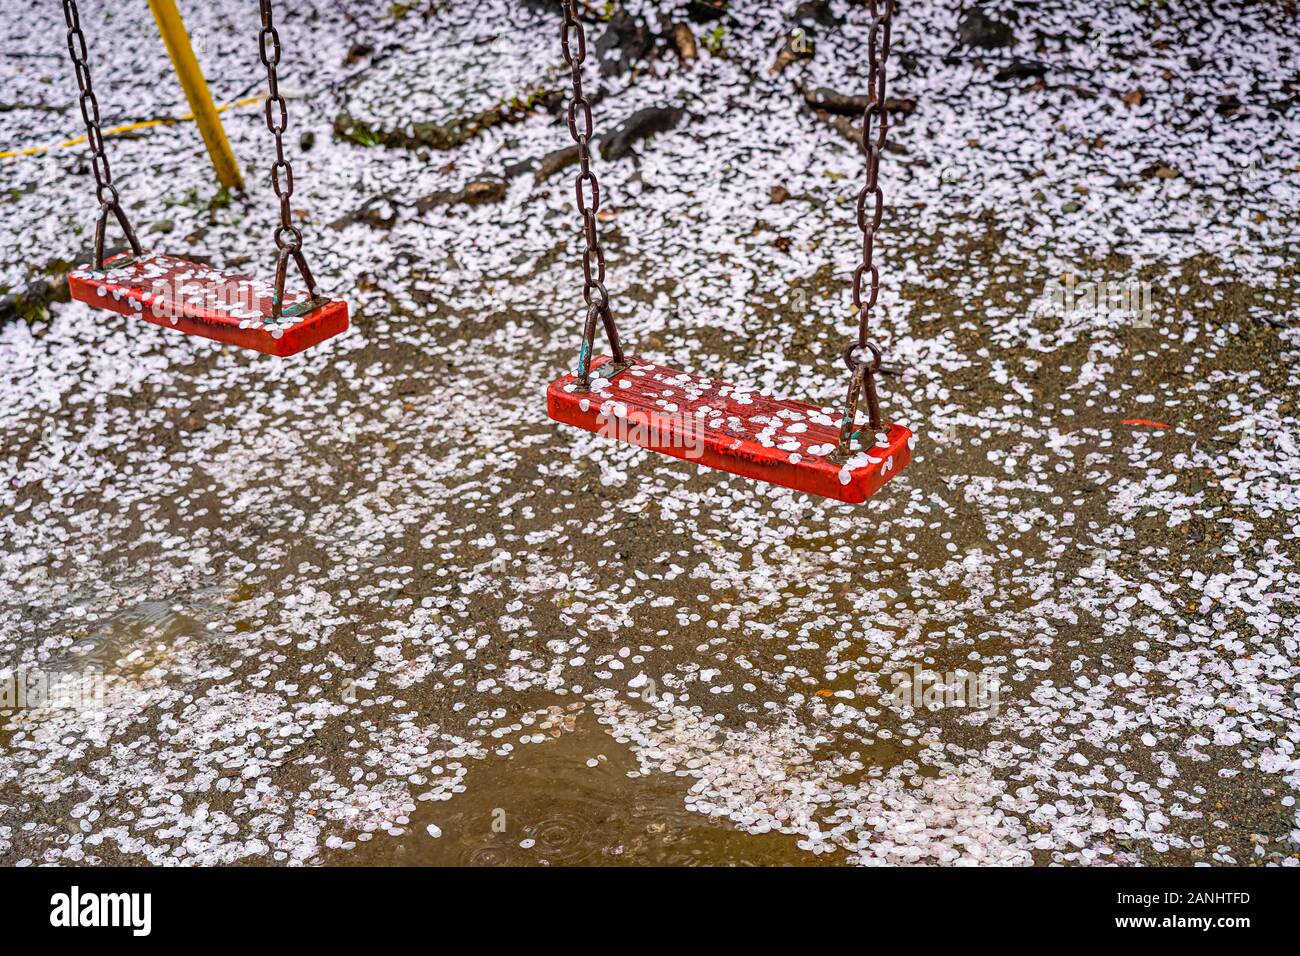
(573,41)
(873,115)
(870,213)
(288,237)
(105,192)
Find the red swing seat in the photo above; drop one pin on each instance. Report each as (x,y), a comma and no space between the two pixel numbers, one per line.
(199,300)
(728,427)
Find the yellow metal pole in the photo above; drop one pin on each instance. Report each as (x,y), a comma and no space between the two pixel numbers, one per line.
(172,28)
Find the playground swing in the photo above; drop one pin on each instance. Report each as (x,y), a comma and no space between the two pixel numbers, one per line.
(730,427)
(188,296)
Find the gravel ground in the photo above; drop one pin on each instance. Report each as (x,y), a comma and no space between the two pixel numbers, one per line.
(368,605)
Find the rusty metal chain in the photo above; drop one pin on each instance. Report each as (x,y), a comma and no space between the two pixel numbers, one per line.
(875,127)
(105,191)
(288,237)
(573,41)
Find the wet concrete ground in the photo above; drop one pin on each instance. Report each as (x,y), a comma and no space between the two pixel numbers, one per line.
(346,597)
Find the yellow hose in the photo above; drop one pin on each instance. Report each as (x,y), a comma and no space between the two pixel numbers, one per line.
(126,128)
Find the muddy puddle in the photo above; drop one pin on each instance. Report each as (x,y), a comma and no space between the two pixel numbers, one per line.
(130,641)
(577,799)
(112,650)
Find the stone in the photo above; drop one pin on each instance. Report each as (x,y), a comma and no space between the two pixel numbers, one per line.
(477,192)
(1021,70)
(625,42)
(684,41)
(441,97)
(706,11)
(358,51)
(642,123)
(853,104)
(555,161)
(977,28)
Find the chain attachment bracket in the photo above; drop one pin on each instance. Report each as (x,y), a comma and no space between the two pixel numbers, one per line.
(862,382)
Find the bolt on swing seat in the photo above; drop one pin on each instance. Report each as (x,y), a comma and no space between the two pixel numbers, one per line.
(728,427)
(187,296)
(732,428)
(199,300)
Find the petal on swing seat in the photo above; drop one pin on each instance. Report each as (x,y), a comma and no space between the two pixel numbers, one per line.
(729,427)
(199,300)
